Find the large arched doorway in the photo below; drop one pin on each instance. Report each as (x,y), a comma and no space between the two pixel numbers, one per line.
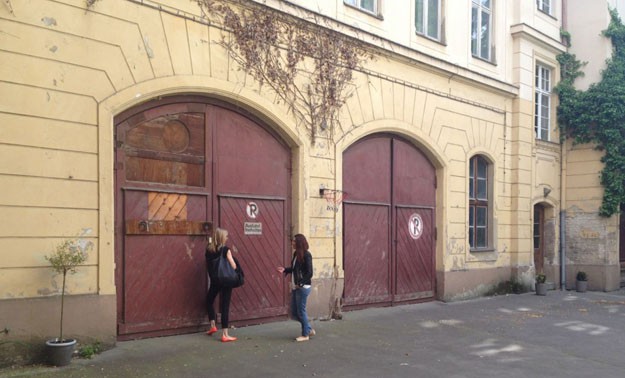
(388,222)
(184,164)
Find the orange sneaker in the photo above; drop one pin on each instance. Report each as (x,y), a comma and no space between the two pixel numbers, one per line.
(226,339)
(211,331)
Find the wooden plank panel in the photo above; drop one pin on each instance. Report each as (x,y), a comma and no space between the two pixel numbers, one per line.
(415,257)
(264,293)
(372,184)
(164,227)
(170,293)
(366,254)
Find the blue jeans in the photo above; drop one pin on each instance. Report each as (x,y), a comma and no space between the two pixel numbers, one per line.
(298,308)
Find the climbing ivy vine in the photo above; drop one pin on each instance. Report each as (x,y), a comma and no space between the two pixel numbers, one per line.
(597,115)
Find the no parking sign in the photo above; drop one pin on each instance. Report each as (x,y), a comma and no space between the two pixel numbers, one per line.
(415,226)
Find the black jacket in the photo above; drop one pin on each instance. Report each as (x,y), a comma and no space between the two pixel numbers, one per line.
(302,273)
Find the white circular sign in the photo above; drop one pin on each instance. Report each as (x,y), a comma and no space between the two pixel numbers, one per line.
(252,210)
(415,226)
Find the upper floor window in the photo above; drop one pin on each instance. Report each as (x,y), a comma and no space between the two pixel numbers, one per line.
(428,18)
(544,5)
(542,106)
(479,203)
(368,5)
(481,25)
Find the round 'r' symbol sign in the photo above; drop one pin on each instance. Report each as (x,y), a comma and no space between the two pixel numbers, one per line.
(415,226)
(252,210)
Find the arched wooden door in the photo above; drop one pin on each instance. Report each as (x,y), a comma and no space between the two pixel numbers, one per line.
(184,164)
(388,222)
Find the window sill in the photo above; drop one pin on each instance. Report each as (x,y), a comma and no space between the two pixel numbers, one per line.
(435,40)
(548,14)
(484,60)
(482,255)
(365,11)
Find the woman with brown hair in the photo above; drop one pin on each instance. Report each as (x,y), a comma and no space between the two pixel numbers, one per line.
(214,250)
(301,271)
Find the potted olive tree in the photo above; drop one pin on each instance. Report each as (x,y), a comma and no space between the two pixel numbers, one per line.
(581,282)
(541,285)
(65,258)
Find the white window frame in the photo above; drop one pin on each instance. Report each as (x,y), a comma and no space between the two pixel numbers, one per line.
(361,4)
(545,6)
(478,9)
(425,26)
(542,102)
(480,198)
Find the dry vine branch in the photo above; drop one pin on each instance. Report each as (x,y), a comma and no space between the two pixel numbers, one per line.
(309,67)
(9,6)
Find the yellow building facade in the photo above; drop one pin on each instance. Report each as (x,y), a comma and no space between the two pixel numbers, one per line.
(70,73)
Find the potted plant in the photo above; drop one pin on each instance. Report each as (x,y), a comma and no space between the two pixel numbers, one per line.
(581,282)
(541,285)
(65,258)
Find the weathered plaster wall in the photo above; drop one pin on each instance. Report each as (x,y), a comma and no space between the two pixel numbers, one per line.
(67,72)
(591,240)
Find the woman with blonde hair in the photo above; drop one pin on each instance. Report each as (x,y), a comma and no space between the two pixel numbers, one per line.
(214,250)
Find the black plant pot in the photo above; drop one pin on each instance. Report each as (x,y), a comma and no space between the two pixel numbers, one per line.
(581,286)
(541,289)
(60,352)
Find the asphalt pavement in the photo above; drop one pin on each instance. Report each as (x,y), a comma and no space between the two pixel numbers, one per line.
(563,334)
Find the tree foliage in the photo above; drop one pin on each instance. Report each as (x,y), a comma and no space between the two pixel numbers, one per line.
(597,115)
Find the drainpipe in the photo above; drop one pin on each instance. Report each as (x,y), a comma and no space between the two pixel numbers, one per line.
(563,158)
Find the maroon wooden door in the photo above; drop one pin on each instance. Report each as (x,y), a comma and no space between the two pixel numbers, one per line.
(170,171)
(414,196)
(386,259)
(252,185)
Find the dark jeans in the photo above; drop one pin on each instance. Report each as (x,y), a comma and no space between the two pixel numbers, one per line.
(224,303)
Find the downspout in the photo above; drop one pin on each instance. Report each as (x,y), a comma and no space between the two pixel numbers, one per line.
(563,157)
(563,216)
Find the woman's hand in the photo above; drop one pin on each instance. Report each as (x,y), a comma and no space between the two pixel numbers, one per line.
(280,269)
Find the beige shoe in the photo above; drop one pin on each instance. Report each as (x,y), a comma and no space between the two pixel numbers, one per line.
(312,332)
(302,338)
